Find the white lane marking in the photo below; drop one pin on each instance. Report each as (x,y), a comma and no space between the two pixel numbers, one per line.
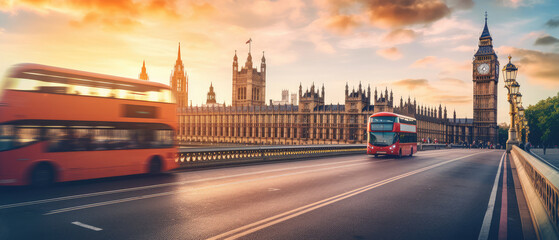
(80,207)
(94,194)
(273,189)
(548,163)
(486,225)
(87,226)
(13,205)
(253,227)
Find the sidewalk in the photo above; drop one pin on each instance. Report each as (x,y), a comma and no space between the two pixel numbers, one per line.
(551,156)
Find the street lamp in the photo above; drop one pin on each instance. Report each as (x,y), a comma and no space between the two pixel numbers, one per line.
(509,71)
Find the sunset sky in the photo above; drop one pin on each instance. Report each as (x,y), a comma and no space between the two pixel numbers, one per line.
(419,48)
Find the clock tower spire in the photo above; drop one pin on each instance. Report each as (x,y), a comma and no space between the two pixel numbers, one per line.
(485,78)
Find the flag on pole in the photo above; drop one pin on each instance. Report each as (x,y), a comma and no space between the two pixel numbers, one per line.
(249,41)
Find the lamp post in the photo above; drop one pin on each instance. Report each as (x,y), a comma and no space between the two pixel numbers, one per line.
(520,122)
(509,71)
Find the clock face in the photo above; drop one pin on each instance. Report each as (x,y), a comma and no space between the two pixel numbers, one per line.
(483,68)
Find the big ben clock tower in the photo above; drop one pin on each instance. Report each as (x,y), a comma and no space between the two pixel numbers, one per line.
(485,78)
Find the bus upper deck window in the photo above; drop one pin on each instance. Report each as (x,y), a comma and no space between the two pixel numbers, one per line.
(166,96)
(23,84)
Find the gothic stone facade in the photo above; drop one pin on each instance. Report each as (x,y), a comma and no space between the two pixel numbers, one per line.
(249,85)
(312,121)
(179,82)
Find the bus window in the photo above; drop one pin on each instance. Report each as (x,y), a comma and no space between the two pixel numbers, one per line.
(27,135)
(23,84)
(384,119)
(7,137)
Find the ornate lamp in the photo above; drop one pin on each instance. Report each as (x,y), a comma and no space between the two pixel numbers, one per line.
(519,99)
(514,88)
(509,71)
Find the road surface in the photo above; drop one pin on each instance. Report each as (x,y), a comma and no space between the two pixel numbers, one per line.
(443,194)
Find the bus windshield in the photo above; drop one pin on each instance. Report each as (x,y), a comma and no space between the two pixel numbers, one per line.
(383,138)
(382,123)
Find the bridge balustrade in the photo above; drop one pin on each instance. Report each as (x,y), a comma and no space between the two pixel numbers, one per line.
(540,184)
(220,156)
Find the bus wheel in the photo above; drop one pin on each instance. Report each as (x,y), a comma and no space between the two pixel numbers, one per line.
(42,175)
(400,153)
(376,155)
(155,165)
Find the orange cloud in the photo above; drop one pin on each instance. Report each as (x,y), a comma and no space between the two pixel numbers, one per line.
(413,84)
(432,94)
(450,99)
(390,53)
(538,67)
(392,13)
(342,23)
(396,13)
(400,36)
(202,10)
(119,15)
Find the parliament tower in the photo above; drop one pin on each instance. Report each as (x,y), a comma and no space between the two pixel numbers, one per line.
(485,79)
(249,85)
(179,82)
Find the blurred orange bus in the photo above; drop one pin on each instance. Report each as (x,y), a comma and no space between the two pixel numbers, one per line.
(59,125)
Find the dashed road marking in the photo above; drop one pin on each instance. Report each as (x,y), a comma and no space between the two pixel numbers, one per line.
(83,225)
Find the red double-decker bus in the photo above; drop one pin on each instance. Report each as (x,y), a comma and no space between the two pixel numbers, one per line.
(62,125)
(391,134)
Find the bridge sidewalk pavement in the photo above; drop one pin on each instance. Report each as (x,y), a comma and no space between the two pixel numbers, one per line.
(551,156)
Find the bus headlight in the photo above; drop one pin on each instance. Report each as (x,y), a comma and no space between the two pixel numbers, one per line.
(392,147)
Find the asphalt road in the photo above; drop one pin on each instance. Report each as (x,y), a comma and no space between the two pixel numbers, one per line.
(441,194)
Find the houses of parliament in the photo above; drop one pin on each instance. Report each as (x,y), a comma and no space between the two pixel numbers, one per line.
(249,120)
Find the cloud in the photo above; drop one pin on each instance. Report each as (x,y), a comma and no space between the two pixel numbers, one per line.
(390,53)
(450,99)
(389,14)
(519,3)
(112,15)
(461,4)
(399,13)
(553,23)
(538,67)
(400,36)
(445,90)
(546,40)
(413,84)
(342,23)
(424,62)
